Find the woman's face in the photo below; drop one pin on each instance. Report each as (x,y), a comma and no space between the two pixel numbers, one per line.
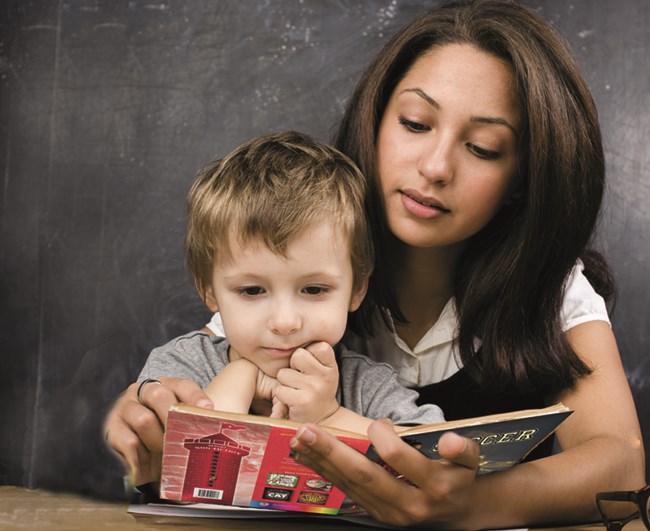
(446,149)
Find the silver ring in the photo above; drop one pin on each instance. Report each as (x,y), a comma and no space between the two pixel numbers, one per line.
(142,384)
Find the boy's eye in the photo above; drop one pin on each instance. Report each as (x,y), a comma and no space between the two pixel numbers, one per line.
(251,291)
(315,290)
(414,127)
(484,153)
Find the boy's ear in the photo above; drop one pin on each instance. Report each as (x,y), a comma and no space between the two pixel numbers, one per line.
(211,300)
(358,296)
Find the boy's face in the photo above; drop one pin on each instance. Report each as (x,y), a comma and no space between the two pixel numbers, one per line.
(271,305)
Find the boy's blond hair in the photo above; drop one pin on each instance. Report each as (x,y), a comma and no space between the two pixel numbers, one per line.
(270,189)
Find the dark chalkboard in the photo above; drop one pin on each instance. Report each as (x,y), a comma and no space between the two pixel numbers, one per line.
(107,109)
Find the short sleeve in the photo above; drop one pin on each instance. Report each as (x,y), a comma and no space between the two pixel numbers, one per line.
(194,356)
(216,325)
(581,302)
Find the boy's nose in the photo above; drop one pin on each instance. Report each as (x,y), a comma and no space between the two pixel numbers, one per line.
(285,319)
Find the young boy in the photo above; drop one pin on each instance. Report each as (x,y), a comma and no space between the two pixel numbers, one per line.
(277,243)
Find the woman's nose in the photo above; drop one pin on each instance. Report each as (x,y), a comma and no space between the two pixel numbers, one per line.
(436,159)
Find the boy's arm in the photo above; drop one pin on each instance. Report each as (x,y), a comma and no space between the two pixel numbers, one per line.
(345,419)
(371,391)
(233,388)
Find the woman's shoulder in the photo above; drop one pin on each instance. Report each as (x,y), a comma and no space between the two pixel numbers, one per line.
(581,303)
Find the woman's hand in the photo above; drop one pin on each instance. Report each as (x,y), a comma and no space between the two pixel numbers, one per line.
(443,491)
(135,431)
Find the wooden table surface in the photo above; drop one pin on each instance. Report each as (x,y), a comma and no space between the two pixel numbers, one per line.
(36,510)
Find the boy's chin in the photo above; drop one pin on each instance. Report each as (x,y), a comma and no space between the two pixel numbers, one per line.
(273,371)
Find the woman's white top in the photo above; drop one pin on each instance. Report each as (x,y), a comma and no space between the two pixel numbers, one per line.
(434,358)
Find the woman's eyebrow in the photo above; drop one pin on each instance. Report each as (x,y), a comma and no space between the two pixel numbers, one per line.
(494,120)
(477,119)
(424,96)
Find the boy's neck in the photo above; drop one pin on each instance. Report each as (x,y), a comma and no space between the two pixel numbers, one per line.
(232,354)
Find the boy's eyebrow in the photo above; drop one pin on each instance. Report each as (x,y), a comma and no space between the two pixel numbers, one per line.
(476,119)
(316,276)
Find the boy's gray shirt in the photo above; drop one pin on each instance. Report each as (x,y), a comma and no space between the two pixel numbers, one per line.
(366,387)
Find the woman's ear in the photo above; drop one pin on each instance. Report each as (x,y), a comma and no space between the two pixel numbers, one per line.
(357,297)
(211,300)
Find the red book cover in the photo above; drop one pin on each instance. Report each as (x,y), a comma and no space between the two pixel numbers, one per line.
(242,460)
(245,460)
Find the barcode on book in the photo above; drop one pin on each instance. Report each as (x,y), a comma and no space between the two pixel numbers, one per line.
(208,493)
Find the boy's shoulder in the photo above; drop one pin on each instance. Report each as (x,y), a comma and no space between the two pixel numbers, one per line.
(347,357)
(194,337)
(192,343)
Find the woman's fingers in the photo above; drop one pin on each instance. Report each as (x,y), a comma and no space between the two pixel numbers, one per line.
(143,463)
(459,450)
(363,480)
(431,493)
(148,415)
(460,457)
(145,424)
(159,398)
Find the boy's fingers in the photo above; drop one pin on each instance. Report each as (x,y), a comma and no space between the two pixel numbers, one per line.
(323,352)
(313,358)
(291,378)
(279,409)
(288,395)
(302,361)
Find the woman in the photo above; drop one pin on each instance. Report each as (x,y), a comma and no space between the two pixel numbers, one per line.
(481,143)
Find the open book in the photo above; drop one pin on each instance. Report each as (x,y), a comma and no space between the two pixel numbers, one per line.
(245,460)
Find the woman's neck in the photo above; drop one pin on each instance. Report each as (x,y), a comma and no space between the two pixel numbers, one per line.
(423,280)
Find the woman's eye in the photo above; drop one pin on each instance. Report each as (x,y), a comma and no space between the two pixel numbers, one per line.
(251,291)
(315,290)
(414,127)
(483,153)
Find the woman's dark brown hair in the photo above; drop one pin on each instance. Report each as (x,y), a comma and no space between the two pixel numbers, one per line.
(509,285)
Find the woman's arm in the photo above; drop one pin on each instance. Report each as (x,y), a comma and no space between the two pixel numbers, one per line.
(601,443)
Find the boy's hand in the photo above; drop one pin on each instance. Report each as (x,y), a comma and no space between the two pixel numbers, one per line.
(265,402)
(265,387)
(308,387)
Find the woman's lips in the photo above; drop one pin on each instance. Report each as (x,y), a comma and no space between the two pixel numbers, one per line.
(422,206)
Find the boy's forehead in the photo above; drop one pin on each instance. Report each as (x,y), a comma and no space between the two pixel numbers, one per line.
(326,241)
(240,241)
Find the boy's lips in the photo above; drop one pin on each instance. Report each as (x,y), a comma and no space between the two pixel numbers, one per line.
(280,352)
